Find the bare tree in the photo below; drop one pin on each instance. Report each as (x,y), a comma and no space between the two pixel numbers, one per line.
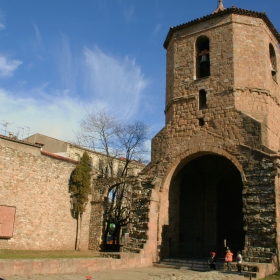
(115,138)
(98,132)
(118,210)
(131,140)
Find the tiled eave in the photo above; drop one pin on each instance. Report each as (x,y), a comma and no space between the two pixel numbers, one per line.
(52,155)
(231,10)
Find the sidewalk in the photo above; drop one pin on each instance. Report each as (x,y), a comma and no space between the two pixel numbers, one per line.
(149,273)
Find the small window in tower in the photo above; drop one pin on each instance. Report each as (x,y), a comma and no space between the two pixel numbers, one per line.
(202,99)
(273,62)
(202,57)
(201,122)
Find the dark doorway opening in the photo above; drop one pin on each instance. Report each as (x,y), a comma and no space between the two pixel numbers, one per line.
(210,209)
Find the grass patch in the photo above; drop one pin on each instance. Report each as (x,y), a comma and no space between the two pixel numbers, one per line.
(52,254)
(275,276)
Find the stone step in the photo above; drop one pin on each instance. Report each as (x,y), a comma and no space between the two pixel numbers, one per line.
(165,265)
(194,267)
(257,259)
(198,265)
(255,270)
(110,255)
(252,274)
(131,250)
(139,241)
(202,265)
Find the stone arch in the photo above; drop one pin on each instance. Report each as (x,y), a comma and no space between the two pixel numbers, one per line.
(181,161)
(193,153)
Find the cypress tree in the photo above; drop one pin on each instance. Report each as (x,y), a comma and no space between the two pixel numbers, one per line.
(80,189)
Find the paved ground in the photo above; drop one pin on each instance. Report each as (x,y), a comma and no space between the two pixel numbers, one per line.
(150,273)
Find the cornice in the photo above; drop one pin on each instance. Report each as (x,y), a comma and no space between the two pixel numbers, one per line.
(231,10)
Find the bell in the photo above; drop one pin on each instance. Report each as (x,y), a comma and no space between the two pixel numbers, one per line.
(273,71)
(204,58)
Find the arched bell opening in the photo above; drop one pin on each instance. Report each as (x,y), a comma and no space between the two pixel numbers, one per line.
(202,57)
(205,209)
(273,62)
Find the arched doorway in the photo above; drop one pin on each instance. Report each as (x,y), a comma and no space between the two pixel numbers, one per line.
(208,191)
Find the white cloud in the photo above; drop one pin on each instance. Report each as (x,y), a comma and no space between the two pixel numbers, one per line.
(2,19)
(128,13)
(156,29)
(66,64)
(38,44)
(115,83)
(56,116)
(7,67)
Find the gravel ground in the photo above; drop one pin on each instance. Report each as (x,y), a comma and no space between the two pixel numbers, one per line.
(149,273)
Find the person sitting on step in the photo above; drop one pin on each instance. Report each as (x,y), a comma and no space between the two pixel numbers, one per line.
(212,261)
(238,261)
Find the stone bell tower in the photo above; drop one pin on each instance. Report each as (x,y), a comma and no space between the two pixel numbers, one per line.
(218,154)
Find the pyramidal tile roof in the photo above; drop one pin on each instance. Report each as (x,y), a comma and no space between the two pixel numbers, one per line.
(221,12)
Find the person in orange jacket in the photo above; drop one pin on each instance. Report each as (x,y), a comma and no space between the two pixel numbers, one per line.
(228,259)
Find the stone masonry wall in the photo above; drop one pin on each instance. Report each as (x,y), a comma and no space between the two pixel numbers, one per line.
(257,93)
(181,59)
(37,185)
(259,195)
(240,121)
(251,38)
(144,214)
(259,206)
(240,75)
(225,129)
(264,107)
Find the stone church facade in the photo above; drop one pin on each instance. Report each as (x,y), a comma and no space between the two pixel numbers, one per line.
(218,155)
(213,179)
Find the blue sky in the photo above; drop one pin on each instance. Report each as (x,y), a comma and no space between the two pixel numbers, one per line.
(59,58)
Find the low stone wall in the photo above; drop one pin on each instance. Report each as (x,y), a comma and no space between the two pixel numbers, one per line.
(61,266)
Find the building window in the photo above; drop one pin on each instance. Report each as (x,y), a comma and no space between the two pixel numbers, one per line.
(91,163)
(101,166)
(120,171)
(202,57)
(202,99)
(107,173)
(273,62)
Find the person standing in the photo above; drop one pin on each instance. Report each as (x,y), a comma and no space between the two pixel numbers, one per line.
(228,259)
(238,261)
(212,261)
